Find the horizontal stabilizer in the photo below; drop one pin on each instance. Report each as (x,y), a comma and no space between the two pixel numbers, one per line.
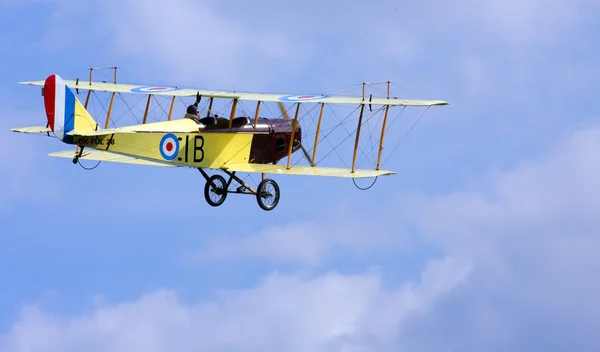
(101,155)
(99,132)
(33,130)
(306,170)
(173,126)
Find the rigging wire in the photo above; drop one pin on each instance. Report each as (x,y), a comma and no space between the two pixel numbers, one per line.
(371,129)
(405,135)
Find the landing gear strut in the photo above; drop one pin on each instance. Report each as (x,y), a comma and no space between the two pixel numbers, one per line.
(78,155)
(217,188)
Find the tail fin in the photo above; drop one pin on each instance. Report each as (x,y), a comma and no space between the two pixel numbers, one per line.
(64,111)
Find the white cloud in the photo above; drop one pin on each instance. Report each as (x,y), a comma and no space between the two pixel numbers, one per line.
(554,189)
(197,41)
(538,196)
(523,244)
(359,230)
(291,313)
(208,44)
(530,234)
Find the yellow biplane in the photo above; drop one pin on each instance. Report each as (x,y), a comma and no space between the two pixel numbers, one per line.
(247,144)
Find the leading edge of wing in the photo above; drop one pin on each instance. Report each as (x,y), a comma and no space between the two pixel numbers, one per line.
(306,170)
(101,155)
(250,96)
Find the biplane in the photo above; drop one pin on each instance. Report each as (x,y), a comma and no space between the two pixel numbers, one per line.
(237,144)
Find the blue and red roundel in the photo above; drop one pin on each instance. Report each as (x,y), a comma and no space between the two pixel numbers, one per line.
(150,89)
(169,146)
(306,97)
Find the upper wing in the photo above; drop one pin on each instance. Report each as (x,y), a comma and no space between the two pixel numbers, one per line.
(101,155)
(306,170)
(267,97)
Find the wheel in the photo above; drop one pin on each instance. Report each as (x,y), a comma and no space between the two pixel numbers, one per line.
(267,194)
(215,197)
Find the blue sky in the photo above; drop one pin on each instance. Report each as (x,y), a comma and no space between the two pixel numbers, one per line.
(486,238)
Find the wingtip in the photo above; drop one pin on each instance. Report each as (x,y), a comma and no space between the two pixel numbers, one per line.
(387,173)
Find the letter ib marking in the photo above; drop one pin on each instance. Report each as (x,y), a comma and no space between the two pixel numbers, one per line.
(198,148)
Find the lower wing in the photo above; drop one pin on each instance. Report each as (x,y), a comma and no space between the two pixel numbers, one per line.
(101,155)
(306,170)
(33,130)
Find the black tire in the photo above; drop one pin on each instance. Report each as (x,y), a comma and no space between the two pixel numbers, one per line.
(263,193)
(220,191)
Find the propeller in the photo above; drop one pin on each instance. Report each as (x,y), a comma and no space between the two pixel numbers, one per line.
(283,111)
(286,116)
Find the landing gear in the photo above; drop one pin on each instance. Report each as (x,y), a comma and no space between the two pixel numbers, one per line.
(268,190)
(217,188)
(78,155)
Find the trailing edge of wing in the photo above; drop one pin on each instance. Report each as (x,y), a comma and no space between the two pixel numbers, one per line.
(306,170)
(100,155)
(268,97)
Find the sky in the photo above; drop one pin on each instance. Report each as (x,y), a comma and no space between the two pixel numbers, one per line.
(486,239)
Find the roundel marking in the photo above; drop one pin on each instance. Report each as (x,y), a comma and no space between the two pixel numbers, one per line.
(305,97)
(169,146)
(152,89)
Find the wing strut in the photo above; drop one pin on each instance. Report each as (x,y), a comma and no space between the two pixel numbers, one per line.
(362,109)
(210,103)
(112,100)
(171,109)
(294,124)
(235,101)
(387,108)
(112,97)
(147,108)
(256,114)
(312,161)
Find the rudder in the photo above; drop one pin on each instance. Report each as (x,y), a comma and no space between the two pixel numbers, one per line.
(64,111)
